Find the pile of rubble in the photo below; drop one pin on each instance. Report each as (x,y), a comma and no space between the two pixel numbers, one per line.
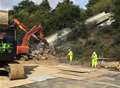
(41,51)
(37,54)
(115,65)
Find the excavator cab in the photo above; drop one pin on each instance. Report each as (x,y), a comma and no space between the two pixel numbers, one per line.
(7,44)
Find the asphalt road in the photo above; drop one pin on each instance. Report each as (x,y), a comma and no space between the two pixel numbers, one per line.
(97,79)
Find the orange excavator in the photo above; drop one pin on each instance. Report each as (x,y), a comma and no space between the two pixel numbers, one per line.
(24,47)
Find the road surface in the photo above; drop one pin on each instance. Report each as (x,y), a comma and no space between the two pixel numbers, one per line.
(63,76)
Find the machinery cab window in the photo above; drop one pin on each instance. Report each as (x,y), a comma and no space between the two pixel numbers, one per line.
(7,42)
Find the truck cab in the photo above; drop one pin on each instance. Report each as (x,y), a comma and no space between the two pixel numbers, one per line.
(7,44)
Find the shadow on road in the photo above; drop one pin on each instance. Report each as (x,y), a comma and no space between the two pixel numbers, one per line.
(29,69)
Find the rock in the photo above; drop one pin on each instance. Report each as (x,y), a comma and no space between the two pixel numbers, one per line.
(24,58)
(44,58)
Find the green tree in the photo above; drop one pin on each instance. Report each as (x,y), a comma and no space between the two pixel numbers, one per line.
(25,4)
(67,1)
(66,14)
(97,6)
(92,2)
(45,5)
(116,11)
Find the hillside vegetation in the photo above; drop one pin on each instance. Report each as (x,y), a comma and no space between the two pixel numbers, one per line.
(105,40)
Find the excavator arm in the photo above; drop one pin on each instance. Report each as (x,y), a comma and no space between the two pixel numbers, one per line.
(23,27)
(24,48)
(20,25)
(28,35)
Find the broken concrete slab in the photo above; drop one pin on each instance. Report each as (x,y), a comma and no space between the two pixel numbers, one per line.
(75,69)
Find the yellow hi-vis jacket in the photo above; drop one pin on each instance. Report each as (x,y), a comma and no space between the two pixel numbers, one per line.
(70,55)
(94,58)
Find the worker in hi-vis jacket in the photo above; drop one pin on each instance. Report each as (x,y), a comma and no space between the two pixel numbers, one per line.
(70,55)
(94,61)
